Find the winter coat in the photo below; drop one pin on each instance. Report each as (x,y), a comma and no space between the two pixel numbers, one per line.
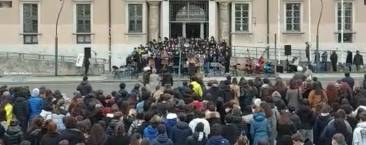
(118,140)
(359,134)
(162,139)
(260,129)
(50,139)
(206,125)
(231,132)
(74,136)
(35,104)
(35,136)
(358,59)
(84,88)
(13,135)
(350,81)
(21,111)
(227,93)
(217,140)
(349,57)
(8,112)
(330,131)
(150,133)
(334,58)
(307,117)
(320,123)
(197,139)
(197,88)
(293,96)
(213,92)
(180,133)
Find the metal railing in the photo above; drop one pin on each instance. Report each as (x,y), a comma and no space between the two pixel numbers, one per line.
(46,57)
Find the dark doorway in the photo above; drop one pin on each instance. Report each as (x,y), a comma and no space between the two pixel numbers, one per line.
(177,30)
(193,30)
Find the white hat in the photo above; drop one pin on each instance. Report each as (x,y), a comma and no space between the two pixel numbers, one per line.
(171,116)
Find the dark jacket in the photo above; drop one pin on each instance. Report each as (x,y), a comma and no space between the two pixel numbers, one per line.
(285,129)
(150,133)
(13,135)
(334,58)
(74,136)
(226,93)
(320,123)
(196,140)
(231,132)
(307,117)
(35,136)
(349,57)
(180,133)
(358,59)
(21,111)
(350,81)
(329,131)
(84,88)
(167,79)
(162,139)
(118,140)
(217,140)
(212,94)
(50,139)
(35,104)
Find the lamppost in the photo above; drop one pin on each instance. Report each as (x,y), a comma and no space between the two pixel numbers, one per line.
(56,37)
(317,36)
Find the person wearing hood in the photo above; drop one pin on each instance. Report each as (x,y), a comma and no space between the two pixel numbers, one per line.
(14,134)
(260,129)
(181,131)
(84,87)
(35,104)
(151,132)
(321,122)
(198,137)
(7,106)
(170,123)
(162,138)
(216,137)
(359,132)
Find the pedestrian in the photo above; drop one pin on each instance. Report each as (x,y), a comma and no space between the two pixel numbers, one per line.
(293,94)
(162,138)
(181,131)
(317,95)
(35,104)
(71,133)
(84,87)
(349,80)
(334,61)
(349,61)
(358,60)
(359,132)
(307,51)
(52,137)
(14,134)
(151,132)
(97,135)
(339,139)
(216,137)
(321,122)
(260,128)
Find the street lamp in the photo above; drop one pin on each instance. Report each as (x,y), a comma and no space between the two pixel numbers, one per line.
(56,37)
(317,36)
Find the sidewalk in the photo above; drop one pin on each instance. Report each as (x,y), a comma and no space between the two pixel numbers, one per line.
(108,78)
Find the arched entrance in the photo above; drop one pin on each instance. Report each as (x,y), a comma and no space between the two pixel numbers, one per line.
(189,19)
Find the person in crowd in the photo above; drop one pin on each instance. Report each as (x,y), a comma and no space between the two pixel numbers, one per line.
(321,122)
(358,60)
(260,128)
(181,131)
(52,137)
(84,87)
(307,117)
(14,134)
(162,138)
(7,105)
(35,104)
(71,133)
(317,96)
(339,139)
(284,125)
(359,132)
(339,125)
(334,61)
(123,93)
(97,135)
(216,137)
(293,95)
(198,137)
(196,87)
(349,80)
(151,132)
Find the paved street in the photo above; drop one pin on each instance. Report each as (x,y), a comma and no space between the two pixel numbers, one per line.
(67,84)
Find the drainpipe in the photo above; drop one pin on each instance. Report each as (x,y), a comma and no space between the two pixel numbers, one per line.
(109,35)
(267,48)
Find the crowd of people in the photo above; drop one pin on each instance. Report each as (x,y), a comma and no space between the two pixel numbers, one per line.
(194,54)
(231,112)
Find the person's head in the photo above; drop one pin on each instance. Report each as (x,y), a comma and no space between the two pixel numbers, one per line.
(216,129)
(347,74)
(325,109)
(340,114)
(85,78)
(338,139)
(122,85)
(69,122)
(51,127)
(297,139)
(35,92)
(161,129)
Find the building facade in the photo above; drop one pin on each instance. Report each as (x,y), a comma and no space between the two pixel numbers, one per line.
(115,27)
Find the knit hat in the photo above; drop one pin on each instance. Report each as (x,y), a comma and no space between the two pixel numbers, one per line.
(171,116)
(35,92)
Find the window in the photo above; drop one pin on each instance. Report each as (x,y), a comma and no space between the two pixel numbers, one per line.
(293,16)
(242,17)
(348,22)
(135,18)
(5,4)
(30,23)
(83,24)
